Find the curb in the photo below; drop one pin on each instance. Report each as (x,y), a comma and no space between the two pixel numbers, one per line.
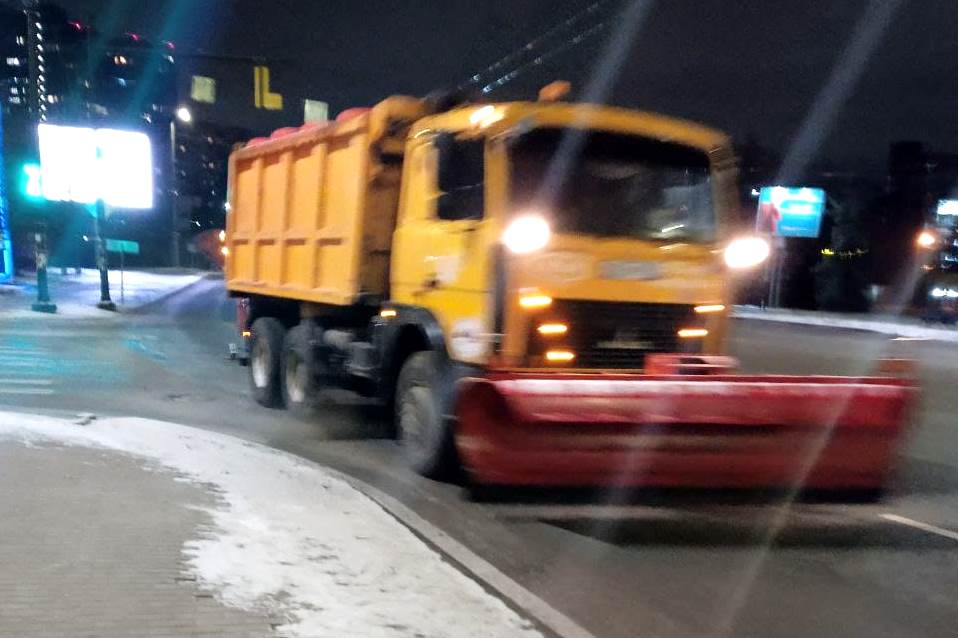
(908,331)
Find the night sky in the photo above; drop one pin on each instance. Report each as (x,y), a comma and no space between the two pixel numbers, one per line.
(750,67)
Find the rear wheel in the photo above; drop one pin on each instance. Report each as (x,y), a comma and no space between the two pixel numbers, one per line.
(302,372)
(266,349)
(425,437)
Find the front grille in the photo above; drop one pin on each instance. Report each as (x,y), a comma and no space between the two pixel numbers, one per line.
(615,335)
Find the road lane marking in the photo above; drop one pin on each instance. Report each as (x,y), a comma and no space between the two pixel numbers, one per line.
(931,529)
(25,364)
(4,382)
(480,568)
(26,391)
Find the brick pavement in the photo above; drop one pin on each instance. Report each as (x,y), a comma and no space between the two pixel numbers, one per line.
(90,545)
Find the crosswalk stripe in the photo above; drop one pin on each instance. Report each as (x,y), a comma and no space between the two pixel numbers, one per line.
(26,364)
(26,391)
(4,382)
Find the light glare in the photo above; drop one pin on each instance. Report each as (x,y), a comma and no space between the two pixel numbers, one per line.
(925,239)
(527,234)
(746,252)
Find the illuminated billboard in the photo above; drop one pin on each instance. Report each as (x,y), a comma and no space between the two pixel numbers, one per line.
(790,212)
(83,165)
(947,213)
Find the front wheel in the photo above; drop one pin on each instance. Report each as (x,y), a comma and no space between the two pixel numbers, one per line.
(266,349)
(425,437)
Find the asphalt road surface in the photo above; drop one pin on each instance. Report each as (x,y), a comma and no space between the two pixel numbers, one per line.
(666,565)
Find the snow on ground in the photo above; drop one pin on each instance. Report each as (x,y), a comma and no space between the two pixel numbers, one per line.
(76,295)
(897,326)
(294,540)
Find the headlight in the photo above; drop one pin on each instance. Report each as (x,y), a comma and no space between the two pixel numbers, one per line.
(746,252)
(526,234)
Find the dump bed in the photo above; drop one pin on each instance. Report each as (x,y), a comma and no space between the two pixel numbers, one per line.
(312,210)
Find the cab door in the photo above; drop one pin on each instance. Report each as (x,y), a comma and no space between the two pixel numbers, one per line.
(441,248)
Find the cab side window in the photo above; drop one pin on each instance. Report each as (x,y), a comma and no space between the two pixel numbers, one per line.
(461,178)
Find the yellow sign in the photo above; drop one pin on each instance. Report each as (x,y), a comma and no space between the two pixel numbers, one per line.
(262,97)
(203,89)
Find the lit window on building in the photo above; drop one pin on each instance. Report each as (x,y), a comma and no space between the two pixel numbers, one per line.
(13,61)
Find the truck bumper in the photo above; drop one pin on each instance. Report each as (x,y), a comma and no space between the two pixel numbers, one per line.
(723,431)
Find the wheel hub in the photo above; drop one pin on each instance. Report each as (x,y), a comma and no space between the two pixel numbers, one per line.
(295,379)
(259,363)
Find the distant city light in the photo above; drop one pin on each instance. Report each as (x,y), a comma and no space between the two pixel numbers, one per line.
(184,114)
(948,207)
(926,239)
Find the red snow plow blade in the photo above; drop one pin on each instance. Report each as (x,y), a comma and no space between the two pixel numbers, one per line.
(674,430)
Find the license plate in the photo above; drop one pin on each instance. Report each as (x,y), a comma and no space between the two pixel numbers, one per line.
(636,270)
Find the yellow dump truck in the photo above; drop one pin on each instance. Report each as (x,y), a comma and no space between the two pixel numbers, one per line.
(535,290)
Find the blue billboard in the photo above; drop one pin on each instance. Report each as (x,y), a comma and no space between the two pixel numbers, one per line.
(790,212)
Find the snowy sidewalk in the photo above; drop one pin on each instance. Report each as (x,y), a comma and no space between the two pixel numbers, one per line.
(891,325)
(129,527)
(76,295)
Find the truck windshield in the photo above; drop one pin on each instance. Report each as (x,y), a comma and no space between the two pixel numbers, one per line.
(614,185)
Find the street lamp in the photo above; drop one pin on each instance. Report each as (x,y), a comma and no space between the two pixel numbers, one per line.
(184,115)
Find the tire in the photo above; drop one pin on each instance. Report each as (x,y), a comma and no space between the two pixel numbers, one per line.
(302,372)
(266,349)
(424,436)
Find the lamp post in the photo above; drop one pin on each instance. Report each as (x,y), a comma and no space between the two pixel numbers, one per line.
(105,302)
(185,116)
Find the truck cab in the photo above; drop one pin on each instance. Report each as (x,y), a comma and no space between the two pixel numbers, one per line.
(565,237)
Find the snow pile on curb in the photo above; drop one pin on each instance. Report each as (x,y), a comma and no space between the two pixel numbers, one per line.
(291,539)
(889,326)
(76,296)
